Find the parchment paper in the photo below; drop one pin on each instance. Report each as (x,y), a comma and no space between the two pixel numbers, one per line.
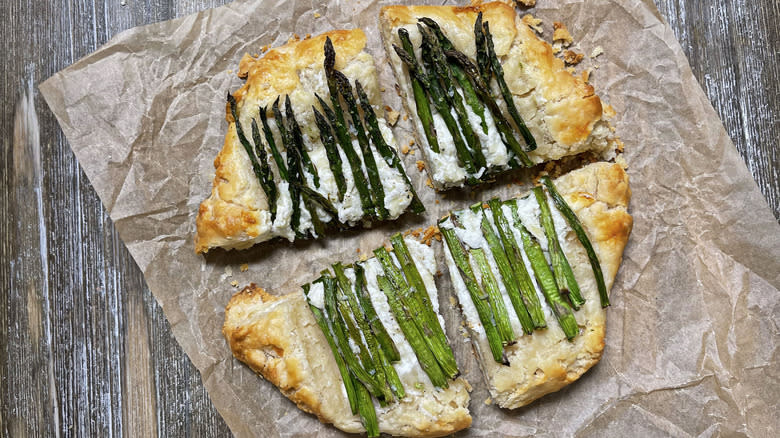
(692,334)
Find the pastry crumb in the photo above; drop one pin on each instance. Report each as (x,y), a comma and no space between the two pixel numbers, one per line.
(392,115)
(428,183)
(488,401)
(357,250)
(412,152)
(526,3)
(234,283)
(453,301)
(308,36)
(244,267)
(317,15)
(406,117)
(363,257)
(533,22)
(561,33)
(420,165)
(382,90)
(294,38)
(571,70)
(556,48)
(436,201)
(598,50)
(429,234)
(570,57)
(405,149)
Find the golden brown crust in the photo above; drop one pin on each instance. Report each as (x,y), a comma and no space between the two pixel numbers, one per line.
(236,215)
(561,110)
(545,362)
(279,339)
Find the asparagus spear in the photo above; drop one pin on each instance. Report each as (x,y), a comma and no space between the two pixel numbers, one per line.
(297,137)
(292,168)
(564,276)
(505,92)
(336,119)
(489,284)
(261,173)
(515,257)
(545,278)
(389,154)
(420,96)
(360,380)
(269,137)
(574,222)
(268,176)
(385,341)
(334,159)
(468,91)
(422,301)
(478,297)
(297,187)
(349,385)
(340,330)
(483,91)
(441,69)
(412,333)
(366,410)
(340,126)
(426,322)
(368,156)
(442,107)
(505,268)
(373,345)
(483,59)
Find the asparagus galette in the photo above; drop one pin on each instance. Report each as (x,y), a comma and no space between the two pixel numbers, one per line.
(364,347)
(307,147)
(485,94)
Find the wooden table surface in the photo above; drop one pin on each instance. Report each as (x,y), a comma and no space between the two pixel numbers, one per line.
(85,349)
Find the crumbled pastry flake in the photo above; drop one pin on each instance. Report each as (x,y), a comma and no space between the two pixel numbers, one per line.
(533,22)
(570,57)
(561,33)
(526,3)
(405,149)
(420,165)
(392,115)
(244,267)
(430,234)
(598,50)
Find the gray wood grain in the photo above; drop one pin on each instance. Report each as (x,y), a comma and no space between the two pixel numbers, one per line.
(84,348)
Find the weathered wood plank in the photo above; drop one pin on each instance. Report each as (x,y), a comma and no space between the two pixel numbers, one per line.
(732,48)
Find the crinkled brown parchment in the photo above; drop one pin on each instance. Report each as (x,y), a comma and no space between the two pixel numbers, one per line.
(692,333)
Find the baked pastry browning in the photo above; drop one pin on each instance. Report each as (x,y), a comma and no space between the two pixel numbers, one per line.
(295,158)
(279,338)
(561,112)
(541,360)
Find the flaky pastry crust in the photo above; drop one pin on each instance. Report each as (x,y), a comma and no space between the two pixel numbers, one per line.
(562,112)
(278,338)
